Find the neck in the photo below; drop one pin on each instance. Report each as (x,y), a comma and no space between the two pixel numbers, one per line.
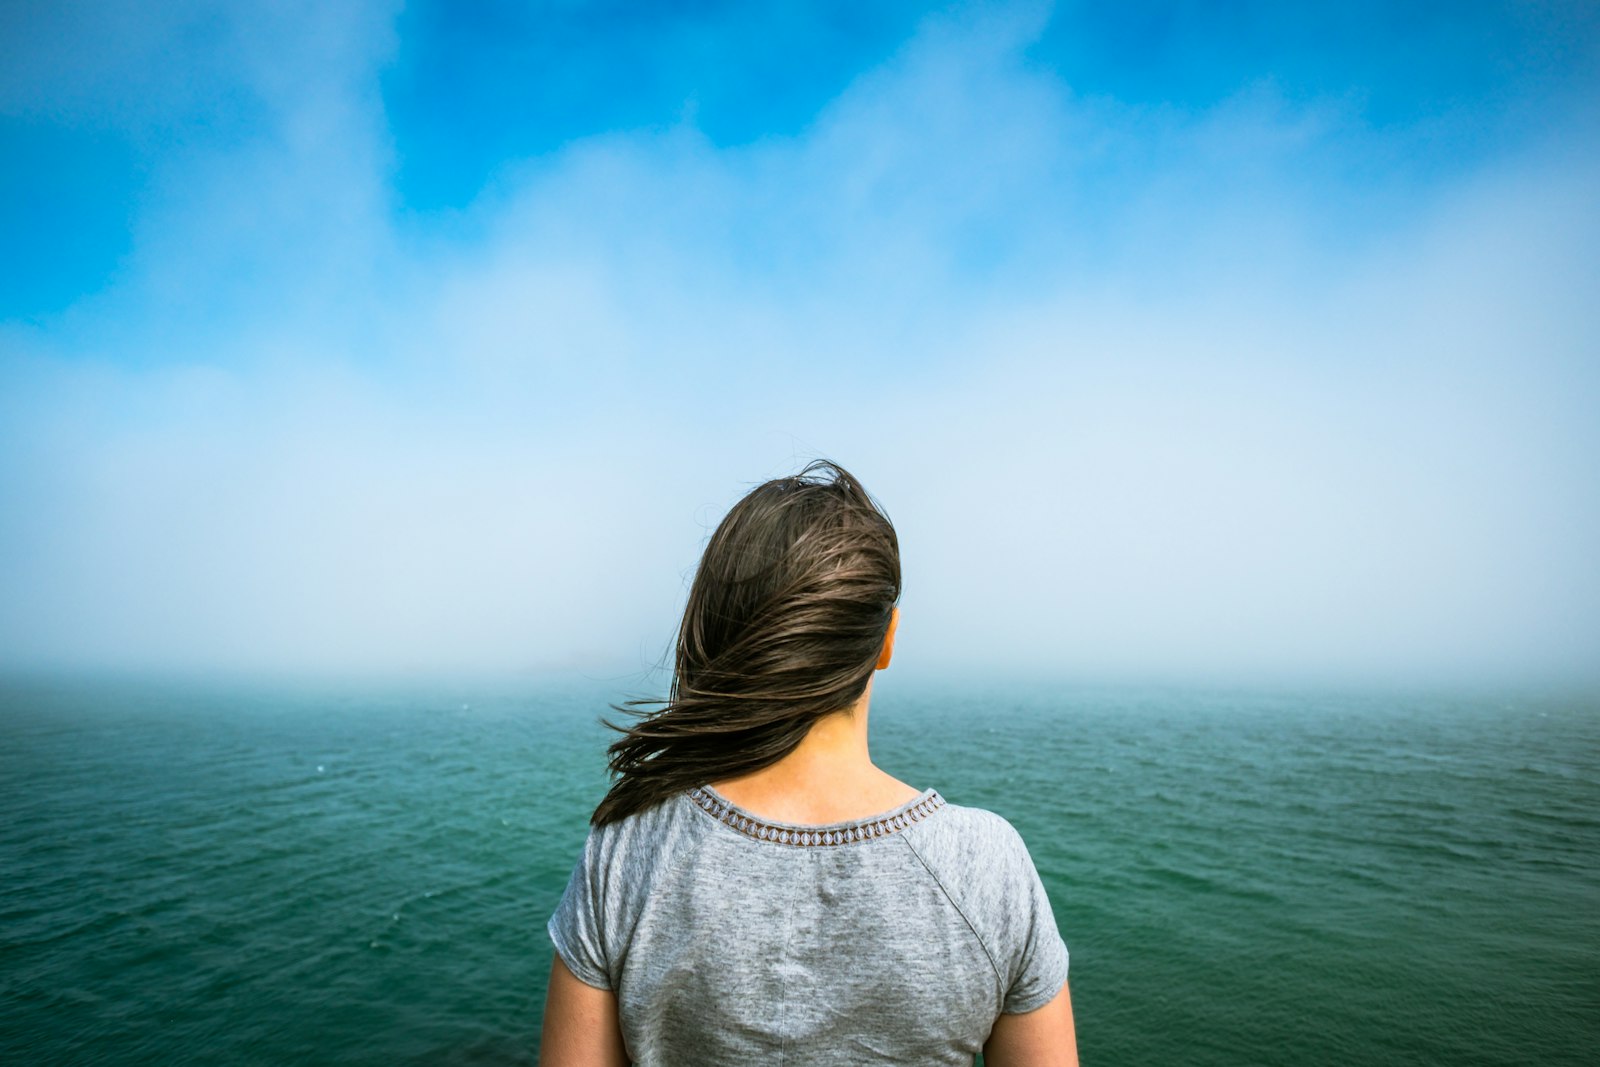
(835,748)
(829,777)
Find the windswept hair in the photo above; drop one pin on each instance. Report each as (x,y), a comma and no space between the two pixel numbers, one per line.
(785,623)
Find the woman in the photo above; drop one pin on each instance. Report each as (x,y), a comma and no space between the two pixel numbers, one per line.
(753,888)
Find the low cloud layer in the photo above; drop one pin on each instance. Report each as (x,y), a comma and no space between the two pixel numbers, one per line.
(1232,392)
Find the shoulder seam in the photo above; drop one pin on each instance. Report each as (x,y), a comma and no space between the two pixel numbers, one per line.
(999,979)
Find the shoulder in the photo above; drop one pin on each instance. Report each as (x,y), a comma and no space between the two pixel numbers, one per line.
(668,819)
(630,854)
(986,871)
(981,863)
(621,864)
(972,839)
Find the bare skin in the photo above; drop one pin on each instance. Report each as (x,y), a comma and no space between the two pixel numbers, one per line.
(581,1028)
(829,777)
(1041,1038)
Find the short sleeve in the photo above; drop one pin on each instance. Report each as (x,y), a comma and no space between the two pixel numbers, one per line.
(1039,956)
(575,926)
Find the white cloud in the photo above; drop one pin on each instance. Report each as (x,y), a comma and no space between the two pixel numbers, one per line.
(1129,414)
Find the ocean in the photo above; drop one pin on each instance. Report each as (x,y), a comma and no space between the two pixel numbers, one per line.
(251,874)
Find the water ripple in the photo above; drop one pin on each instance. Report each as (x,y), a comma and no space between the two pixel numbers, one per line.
(242,876)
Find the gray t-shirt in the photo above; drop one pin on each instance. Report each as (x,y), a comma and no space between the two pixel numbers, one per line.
(730,939)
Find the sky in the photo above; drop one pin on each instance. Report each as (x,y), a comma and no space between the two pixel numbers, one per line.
(1189,341)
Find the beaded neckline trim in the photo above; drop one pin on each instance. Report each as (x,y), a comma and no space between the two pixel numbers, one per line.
(720,809)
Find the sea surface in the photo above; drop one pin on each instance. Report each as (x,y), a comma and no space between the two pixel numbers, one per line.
(231,874)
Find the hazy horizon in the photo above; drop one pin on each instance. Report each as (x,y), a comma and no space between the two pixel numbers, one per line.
(367,341)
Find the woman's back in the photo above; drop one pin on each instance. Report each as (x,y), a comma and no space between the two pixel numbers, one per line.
(696,931)
(732,939)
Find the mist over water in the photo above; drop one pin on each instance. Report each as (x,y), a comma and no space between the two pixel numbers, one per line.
(1282,366)
(359,874)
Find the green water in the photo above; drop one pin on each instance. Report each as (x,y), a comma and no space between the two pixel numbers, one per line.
(206,874)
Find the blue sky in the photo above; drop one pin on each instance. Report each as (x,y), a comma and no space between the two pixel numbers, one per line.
(1181,340)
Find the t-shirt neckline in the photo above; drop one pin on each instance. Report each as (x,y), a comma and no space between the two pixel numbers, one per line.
(849,832)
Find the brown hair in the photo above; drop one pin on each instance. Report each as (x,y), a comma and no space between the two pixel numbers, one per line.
(785,622)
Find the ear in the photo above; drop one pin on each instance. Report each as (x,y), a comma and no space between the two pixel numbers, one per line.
(888,640)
